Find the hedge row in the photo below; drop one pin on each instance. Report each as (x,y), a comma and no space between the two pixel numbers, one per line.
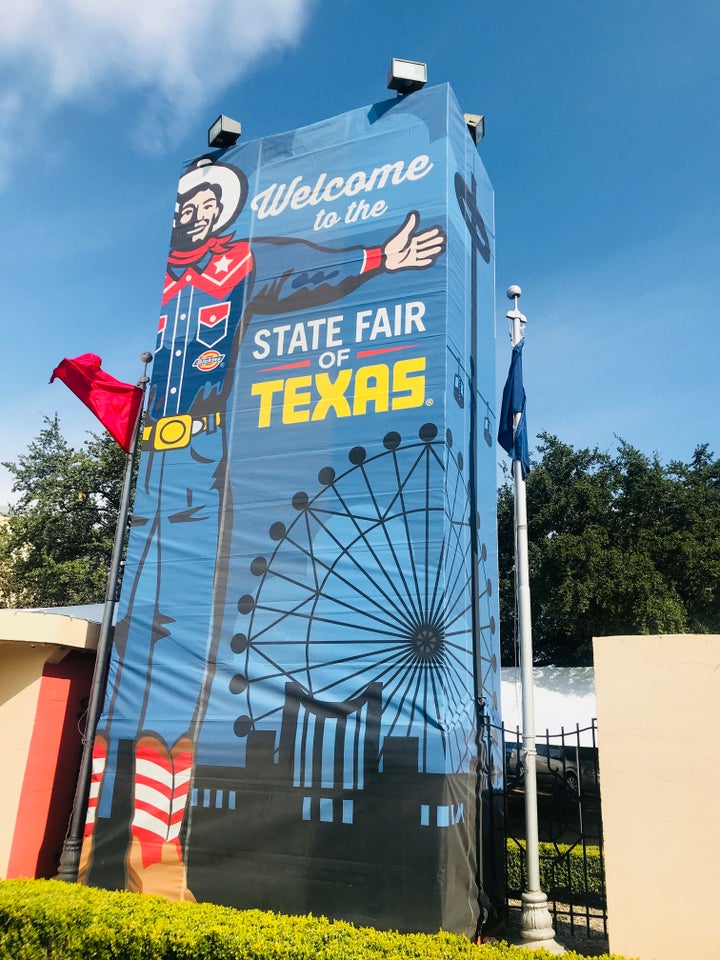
(48,920)
(567,873)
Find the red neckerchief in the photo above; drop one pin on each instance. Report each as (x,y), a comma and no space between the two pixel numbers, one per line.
(185,258)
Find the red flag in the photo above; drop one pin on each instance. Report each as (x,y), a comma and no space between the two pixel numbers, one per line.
(115,404)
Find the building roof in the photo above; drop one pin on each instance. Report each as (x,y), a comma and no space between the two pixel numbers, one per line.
(55,627)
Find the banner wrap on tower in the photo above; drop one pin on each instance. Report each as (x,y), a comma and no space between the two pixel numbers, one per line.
(307,648)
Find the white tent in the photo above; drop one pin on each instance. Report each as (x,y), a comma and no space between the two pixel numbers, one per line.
(564,700)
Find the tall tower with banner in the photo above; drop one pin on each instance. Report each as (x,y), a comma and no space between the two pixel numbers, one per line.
(306,663)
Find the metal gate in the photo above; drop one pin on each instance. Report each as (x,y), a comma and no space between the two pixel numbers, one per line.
(572,867)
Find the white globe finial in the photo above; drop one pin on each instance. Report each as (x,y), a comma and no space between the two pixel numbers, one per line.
(513,292)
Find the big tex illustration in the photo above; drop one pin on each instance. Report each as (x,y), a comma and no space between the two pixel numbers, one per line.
(306,658)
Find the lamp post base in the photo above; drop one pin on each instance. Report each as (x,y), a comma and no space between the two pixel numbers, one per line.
(70,860)
(536,929)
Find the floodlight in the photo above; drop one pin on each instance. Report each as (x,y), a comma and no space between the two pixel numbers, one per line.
(406,76)
(225,132)
(476,125)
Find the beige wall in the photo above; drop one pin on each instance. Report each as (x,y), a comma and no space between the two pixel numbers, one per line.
(27,642)
(21,667)
(658,711)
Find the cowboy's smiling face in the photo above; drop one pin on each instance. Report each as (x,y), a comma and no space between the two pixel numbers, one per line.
(196,218)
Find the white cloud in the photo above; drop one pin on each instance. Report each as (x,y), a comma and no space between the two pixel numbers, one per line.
(183,52)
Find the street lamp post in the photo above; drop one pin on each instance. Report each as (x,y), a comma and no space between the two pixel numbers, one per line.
(70,856)
(536,928)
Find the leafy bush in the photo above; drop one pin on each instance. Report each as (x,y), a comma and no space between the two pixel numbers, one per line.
(563,871)
(48,920)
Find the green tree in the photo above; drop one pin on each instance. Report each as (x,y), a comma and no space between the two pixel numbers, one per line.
(55,548)
(618,544)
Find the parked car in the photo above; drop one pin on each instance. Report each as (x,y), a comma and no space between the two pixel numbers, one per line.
(557,766)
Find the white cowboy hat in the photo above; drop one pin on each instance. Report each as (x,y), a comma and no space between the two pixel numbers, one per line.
(232,183)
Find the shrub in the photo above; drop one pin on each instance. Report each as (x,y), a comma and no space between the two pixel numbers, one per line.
(49,920)
(567,873)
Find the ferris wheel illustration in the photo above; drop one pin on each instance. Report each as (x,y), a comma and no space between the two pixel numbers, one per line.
(367,581)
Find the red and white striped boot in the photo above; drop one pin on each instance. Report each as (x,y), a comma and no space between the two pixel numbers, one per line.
(160,791)
(99,760)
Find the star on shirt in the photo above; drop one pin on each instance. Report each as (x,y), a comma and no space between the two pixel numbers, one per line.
(223,264)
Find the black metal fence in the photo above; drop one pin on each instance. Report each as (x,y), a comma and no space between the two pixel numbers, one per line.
(572,866)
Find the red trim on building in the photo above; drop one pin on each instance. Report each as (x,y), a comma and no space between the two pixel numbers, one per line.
(51,770)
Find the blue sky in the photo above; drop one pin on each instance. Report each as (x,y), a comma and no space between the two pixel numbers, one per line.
(602,144)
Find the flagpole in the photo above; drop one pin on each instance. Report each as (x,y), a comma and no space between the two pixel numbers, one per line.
(70,856)
(536,927)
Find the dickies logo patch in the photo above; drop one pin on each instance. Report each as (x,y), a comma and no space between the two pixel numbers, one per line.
(208,360)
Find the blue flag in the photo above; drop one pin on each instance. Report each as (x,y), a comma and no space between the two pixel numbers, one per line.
(514,441)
